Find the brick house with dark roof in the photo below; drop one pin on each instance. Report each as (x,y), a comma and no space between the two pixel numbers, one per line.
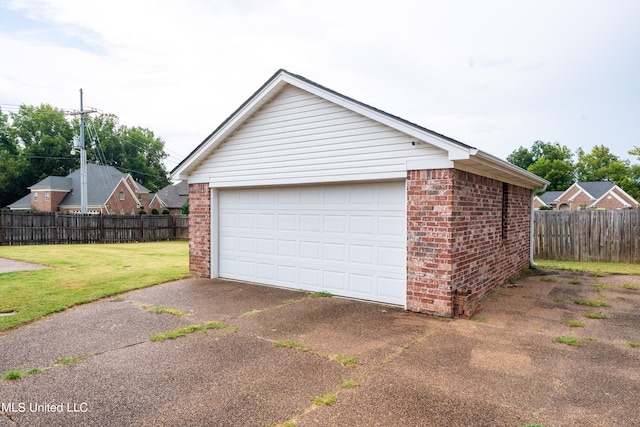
(593,195)
(109,191)
(548,199)
(172,197)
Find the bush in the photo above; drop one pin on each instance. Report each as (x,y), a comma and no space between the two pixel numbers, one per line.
(142,212)
(155,211)
(545,208)
(185,209)
(166,212)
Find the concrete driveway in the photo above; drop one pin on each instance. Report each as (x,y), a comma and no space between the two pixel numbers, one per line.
(100,368)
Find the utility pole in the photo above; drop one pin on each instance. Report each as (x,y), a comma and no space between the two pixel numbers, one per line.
(78,144)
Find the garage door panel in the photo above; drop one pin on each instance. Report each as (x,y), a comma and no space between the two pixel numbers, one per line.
(266,221)
(338,238)
(310,277)
(390,287)
(390,256)
(361,285)
(266,246)
(286,275)
(335,252)
(360,254)
(390,226)
(266,271)
(310,250)
(334,280)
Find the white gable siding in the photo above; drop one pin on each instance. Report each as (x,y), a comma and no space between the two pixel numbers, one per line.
(300,138)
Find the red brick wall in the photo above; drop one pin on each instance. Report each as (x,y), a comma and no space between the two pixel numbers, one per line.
(127,206)
(610,202)
(55,197)
(581,200)
(456,250)
(430,241)
(199,230)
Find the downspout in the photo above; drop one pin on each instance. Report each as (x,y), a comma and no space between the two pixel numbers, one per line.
(531,224)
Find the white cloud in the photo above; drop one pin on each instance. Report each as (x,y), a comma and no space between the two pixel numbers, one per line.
(493,74)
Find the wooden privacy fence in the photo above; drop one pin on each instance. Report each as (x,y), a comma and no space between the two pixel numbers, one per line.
(612,236)
(39,228)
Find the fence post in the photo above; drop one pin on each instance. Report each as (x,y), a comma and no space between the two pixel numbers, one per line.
(2,238)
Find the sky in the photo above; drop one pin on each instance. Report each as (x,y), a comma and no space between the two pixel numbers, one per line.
(493,74)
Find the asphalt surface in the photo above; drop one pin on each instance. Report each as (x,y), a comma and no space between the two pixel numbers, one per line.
(8,266)
(504,369)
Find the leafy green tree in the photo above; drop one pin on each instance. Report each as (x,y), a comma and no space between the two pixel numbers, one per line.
(134,150)
(11,165)
(551,161)
(600,164)
(634,175)
(34,143)
(44,138)
(521,157)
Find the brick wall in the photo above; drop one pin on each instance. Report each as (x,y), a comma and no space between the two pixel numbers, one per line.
(51,205)
(610,202)
(430,241)
(128,206)
(199,230)
(457,245)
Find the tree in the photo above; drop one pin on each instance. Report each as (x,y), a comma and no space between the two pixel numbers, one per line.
(134,150)
(11,165)
(44,137)
(600,164)
(634,175)
(36,142)
(521,157)
(550,161)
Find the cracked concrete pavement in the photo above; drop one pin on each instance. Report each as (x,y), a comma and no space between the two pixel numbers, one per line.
(503,369)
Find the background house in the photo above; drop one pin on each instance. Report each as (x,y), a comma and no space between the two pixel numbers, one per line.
(548,198)
(172,197)
(309,189)
(109,191)
(588,195)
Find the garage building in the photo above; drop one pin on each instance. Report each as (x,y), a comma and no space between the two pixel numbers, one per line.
(305,188)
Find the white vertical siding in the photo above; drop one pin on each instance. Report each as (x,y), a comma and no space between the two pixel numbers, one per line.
(301,138)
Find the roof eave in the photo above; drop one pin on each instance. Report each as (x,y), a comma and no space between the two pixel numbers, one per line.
(456,150)
(501,170)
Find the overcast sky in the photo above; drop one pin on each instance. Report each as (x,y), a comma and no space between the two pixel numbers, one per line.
(495,75)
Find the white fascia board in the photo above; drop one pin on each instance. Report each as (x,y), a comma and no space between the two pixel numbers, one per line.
(540,200)
(628,196)
(231,124)
(425,164)
(60,190)
(511,169)
(575,184)
(613,193)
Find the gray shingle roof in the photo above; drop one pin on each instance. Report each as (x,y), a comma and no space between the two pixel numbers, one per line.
(596,189)
(53,182)
(174,196)
(549,197)
(23,203)
(101,181)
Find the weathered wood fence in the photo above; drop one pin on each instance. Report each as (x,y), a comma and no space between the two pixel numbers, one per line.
(612,236)
(39,228)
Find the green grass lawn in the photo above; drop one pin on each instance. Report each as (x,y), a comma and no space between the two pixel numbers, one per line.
(81,273)
(590,267)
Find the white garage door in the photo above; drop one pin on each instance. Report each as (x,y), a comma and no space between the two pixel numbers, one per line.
(348,240)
